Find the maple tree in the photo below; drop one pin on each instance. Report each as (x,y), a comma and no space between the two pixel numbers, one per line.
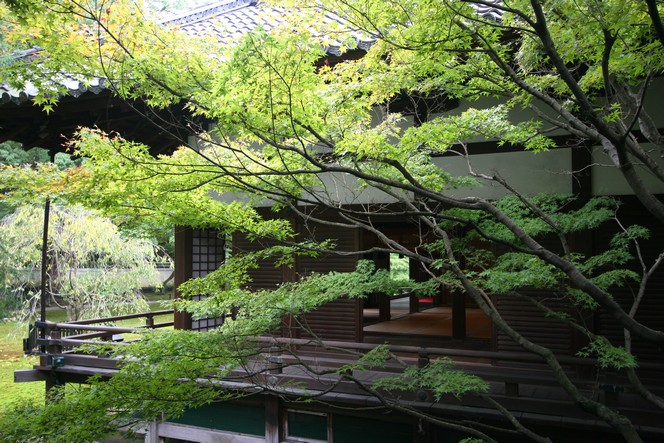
(535,69)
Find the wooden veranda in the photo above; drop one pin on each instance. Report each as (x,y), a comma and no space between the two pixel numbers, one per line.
(518,381)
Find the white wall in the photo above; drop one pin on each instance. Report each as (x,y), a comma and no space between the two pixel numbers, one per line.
(527,172)
(607,180)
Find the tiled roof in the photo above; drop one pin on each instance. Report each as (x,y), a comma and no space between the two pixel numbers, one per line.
(75,88)
(487,10)
(228,20)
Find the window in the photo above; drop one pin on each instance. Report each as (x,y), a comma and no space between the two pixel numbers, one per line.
(232,417)
(306,426)
(315,427)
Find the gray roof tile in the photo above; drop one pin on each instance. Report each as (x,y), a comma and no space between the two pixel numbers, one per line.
(228,20)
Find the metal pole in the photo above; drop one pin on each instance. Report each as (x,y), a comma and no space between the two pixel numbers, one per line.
(44,264)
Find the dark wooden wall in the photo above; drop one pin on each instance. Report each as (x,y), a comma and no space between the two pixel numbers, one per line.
(338,320)
(342,319)
(651,312)
(555,334)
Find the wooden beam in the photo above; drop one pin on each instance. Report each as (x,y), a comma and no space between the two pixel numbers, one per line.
(201,435)
(28,375)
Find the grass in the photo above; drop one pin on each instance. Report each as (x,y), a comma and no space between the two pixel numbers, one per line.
(11,359)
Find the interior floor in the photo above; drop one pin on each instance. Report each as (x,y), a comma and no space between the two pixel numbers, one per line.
(435,321)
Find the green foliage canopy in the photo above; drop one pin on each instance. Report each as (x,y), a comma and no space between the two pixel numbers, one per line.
(286,127)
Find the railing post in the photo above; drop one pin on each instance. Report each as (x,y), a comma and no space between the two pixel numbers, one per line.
(413,304)
(149,321)
(54,343)
(611,389)
(423,359)
(54,347)
(275,362)
(422,362)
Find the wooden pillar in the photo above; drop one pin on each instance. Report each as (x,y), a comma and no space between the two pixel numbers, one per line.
(384,309)
(382,261)
(44,274)
(272,420)
(152,436)
(51,382)
(413,304)
(182,271)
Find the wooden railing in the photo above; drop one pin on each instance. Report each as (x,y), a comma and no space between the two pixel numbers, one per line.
(61,337)
(512,370)
(521,381)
